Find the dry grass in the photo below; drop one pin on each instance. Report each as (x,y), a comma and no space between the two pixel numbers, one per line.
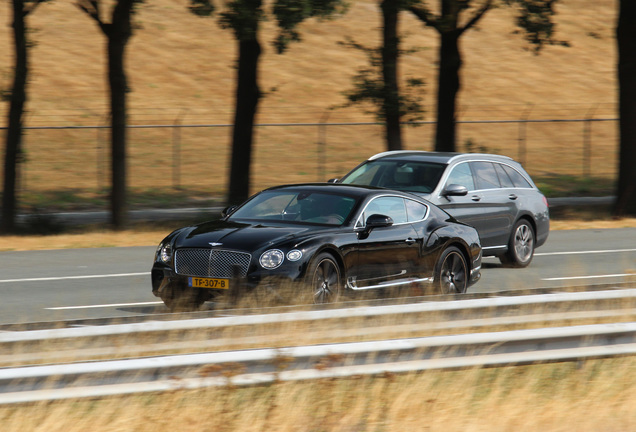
(588,396)
(181,68)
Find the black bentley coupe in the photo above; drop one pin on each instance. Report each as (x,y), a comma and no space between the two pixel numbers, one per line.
(329,237)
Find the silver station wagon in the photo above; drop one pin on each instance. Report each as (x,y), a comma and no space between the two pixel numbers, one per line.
(493,193)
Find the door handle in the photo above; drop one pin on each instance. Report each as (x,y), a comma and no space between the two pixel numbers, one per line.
(475,198)
(512,197)
(410,240)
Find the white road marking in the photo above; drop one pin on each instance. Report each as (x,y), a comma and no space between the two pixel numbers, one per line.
(585,252)
(590,277)
(57,278)
(104,305)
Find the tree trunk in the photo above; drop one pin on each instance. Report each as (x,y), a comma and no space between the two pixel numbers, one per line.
(247,97)
(14,130)
(118,88)
(626,40)
(390,53)
(448,85)
(118,34)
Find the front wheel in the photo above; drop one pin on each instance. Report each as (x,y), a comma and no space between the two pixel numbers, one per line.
(323,279)
(520,246)
(451,272)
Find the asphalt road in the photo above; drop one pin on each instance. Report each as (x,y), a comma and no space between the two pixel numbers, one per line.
(66,284)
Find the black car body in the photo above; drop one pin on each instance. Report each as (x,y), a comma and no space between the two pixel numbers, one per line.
(331,237)
(493,193)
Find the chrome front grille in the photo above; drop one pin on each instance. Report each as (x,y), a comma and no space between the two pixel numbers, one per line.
(215,263)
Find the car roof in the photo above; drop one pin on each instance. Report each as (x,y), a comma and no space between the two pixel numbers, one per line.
(439,157)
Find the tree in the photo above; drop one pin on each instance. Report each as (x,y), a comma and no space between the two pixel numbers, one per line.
(535,19)
(379,84)
(118,32)
(17,99)
(243,17)
(626,41)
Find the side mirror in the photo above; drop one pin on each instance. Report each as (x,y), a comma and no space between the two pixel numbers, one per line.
(228,211)
(455,190)
(333,180)
(378,221)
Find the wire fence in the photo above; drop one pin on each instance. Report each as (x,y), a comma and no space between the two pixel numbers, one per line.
(177,155)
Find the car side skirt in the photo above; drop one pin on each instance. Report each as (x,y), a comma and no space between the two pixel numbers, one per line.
(351,283)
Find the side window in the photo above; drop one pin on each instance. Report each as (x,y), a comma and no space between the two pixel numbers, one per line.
(517,179)
(393,207)
(415,211)
(485,175)
(462,176)
(504,179)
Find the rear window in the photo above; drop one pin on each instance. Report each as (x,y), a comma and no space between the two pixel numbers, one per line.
(485,175)
(517,179)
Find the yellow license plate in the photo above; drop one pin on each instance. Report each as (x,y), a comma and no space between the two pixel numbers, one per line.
(199,282)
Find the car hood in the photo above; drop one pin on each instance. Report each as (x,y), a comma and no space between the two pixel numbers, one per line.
(241,236)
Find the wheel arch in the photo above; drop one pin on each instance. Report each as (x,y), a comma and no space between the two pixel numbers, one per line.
(530,220)
(333,251)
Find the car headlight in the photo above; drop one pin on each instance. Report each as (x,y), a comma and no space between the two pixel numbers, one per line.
(165,253)
(294,255)
(272,259)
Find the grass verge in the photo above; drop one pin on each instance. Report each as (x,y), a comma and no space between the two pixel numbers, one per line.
(584,396)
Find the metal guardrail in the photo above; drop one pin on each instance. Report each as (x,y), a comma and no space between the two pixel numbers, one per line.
(263,365)
(318,315)
(36,383)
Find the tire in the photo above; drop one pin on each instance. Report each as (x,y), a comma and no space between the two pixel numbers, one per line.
(451,272)
(520,246)
(324,280)
(182,300)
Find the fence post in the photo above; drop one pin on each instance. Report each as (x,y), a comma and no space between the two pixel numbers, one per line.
(100,153)
(322,144)
(521,137)
(176,150)
(587,141)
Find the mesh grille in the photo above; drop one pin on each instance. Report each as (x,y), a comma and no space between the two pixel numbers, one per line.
(210,262)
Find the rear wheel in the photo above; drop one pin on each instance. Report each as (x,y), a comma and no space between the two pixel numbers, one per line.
(323,279)
(521,245)
(451,272)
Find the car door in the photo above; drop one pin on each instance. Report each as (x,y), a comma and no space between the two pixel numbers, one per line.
(387,254)
(486,206)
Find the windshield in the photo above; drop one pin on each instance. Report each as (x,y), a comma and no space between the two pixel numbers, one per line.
(297,206)
(397,174)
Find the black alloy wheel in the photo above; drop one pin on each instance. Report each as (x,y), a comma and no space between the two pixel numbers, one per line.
(451,272)
(324,279)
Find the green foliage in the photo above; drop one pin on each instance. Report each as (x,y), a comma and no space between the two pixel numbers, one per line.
(243,16)
(369,87)
(203,8)
(290,13)
(535,20)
